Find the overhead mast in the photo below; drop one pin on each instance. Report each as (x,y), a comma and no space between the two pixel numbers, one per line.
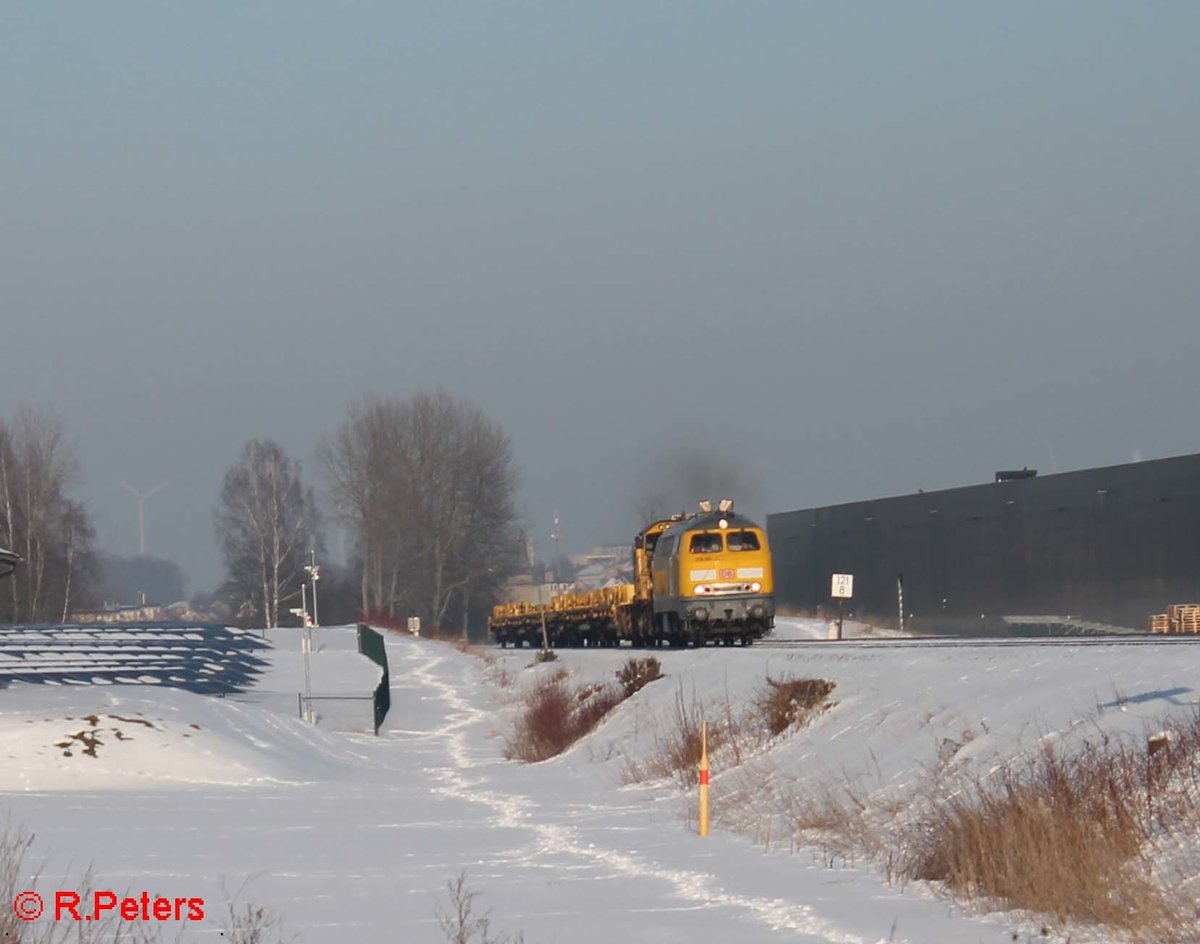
(555,541)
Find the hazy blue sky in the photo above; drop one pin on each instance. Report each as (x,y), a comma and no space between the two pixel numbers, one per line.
(859,249)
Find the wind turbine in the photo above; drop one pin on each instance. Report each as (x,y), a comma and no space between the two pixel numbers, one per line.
(141,503)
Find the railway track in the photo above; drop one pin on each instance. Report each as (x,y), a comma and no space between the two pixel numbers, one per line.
(929,642)
(1016,642)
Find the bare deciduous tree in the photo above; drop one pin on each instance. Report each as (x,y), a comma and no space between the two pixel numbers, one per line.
(39,521)
(266,522)
(427,486)
(359,461)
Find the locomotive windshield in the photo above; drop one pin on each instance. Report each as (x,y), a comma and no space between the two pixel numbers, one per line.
(706,543)
(743,541)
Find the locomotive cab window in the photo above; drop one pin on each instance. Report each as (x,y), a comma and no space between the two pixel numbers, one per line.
(706,544)
(743,541)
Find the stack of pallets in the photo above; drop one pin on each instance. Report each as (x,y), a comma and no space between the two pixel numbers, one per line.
(1179,618)
(1185,617)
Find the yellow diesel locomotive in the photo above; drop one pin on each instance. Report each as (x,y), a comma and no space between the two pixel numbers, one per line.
(698,578)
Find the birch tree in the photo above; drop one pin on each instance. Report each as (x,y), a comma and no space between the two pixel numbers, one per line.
(266,521)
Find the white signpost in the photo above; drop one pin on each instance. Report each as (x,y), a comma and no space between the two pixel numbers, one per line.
(841,588)
(414,625)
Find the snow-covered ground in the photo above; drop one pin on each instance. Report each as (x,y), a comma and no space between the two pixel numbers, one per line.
(352,838)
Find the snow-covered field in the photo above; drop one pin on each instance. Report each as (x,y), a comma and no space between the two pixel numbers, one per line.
(352,838)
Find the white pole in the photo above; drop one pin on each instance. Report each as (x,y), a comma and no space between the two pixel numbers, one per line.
(306,646)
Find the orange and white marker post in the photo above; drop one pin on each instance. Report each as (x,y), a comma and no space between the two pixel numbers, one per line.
(703,778)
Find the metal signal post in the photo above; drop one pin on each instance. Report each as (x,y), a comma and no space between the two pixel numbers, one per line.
(314,573)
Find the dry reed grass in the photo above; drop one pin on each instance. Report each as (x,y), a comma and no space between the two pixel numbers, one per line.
(1069,836)
(1072,837)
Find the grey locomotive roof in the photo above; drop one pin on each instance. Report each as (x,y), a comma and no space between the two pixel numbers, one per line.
(709,522)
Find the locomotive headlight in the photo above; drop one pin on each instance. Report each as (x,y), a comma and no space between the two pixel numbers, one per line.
(722,524)
(755,587)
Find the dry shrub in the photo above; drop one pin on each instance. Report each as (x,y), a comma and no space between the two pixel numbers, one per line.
(460,922)
(497,673)
(785,703)
(14,844)
(778,810)
(733,736)
(247,923)
(545,655)
(841,822)
(1068,836)
(748,801)
(636,674)
(249,926)
(555,717)
(676,751)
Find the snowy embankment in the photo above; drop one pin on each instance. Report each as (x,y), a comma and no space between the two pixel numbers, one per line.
(352,838)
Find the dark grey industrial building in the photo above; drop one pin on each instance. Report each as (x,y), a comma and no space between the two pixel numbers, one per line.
(1113,545)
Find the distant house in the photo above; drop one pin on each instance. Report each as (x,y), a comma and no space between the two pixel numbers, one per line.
(603,566)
